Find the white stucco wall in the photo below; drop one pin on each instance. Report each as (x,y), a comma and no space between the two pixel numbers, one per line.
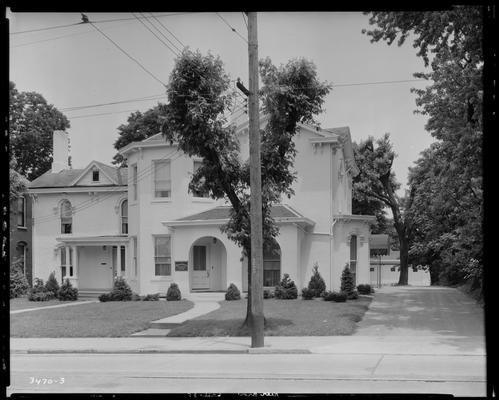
(100,217)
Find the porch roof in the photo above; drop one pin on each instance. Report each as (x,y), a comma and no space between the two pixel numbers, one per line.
(98,240)
(281,213)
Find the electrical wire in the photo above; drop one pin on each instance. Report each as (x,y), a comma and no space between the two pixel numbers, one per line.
(171,33)
(244,19)
(128,55)
(161,32)
(232,28)
(146,98)
(156,36)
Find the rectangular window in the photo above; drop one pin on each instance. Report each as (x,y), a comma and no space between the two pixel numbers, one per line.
(271,268)
(21,212)
(134,181)
(162,181)
(123,260)
(65,267)
(353,257)
(95,175)
(198,193)
(162,256)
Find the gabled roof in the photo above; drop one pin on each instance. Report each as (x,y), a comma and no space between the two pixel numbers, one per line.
(70,177)
(218,215)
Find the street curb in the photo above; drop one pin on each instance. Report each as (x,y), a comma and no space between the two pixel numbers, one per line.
(152,351)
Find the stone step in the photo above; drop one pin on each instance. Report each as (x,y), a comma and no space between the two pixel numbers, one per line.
(164,325)
(152,332)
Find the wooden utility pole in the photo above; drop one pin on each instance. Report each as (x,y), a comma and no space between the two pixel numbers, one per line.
(256,188)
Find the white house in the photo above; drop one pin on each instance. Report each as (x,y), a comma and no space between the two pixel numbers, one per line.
(145,225)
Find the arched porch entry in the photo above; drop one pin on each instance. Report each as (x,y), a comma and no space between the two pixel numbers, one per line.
(208,264)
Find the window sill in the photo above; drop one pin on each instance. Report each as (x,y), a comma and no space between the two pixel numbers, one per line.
(22,228)
(162,279)
(161,200)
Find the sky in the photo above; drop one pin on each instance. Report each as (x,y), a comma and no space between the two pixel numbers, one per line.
(75,66)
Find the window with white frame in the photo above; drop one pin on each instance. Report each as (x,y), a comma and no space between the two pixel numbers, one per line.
(134,181)
(162,179)
(353,256)
(198,193)
(124,217)
(162,256)
(272,265)
(66,262)
(21,212)
(66,217)
(95,175)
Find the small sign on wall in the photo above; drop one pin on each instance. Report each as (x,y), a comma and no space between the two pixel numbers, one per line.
(180,265)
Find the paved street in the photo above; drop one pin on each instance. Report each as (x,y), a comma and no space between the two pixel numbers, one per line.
(294,373)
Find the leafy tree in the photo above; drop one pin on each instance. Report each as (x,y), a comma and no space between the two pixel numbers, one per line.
(139,126)
(376,182)
(17,183)
(446,182)
(32,122)
(199,95)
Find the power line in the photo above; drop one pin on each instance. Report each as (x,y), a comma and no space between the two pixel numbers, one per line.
(244,19)
(95,22)
(171,33)
(232,28)
(156,36)
(147,98)
(128,55)
(161,33)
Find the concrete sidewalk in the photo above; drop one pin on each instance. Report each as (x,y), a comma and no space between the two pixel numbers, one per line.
(411,345)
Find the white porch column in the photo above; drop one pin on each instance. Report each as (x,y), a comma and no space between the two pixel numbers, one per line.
(66,261)
(127,272)
(74,277)
(118,261)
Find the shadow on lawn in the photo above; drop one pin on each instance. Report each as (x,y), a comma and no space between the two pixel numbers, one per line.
(226,327)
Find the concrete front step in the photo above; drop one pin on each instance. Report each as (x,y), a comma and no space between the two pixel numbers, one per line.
(152,332)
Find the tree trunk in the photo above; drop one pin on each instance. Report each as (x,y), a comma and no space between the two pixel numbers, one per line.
(404,258)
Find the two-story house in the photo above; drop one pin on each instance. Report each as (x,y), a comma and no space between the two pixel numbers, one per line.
(166,234)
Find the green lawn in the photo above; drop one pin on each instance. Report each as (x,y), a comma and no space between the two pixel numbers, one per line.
(110,319)
(283,318)
(22,303)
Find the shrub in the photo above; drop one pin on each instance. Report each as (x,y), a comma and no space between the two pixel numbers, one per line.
(39,292)
(335,296)
(232,293)
(307,293)
(18,283)
(365,288)
(121,291)
(347,282)
(151,297)
(136,297)
(173,293)
(52,285)
(67,291)
(316,284)
(268,294)
(105,297)
(353,296)
(286,289)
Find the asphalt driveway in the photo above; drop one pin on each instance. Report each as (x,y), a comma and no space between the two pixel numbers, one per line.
(444,315)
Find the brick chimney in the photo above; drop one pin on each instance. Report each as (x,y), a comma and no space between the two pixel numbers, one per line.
(60,151)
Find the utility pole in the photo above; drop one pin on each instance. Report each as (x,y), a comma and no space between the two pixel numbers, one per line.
(256,188)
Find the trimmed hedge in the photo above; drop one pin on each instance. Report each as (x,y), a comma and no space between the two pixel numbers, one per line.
(39,292)
(286,289)
(335,296)
(52,285)
(67,292)
(317,284)
(232,293)
(365,288)
(151,297)
(347,281)
(268,294)
(307,293)
(173,293)
(121,291)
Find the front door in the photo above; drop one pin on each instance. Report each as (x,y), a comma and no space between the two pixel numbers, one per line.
(200,275)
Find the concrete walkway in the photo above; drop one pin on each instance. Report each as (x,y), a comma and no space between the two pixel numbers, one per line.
(76,303)
(204,303)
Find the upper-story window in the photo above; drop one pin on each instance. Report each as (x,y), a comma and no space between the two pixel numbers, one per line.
(124,217)
(21,212)
(198,193)
(66,217)
(134,181)
(95,175)
(162,179)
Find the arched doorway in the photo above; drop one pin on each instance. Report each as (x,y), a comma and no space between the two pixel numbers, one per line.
(208,265)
